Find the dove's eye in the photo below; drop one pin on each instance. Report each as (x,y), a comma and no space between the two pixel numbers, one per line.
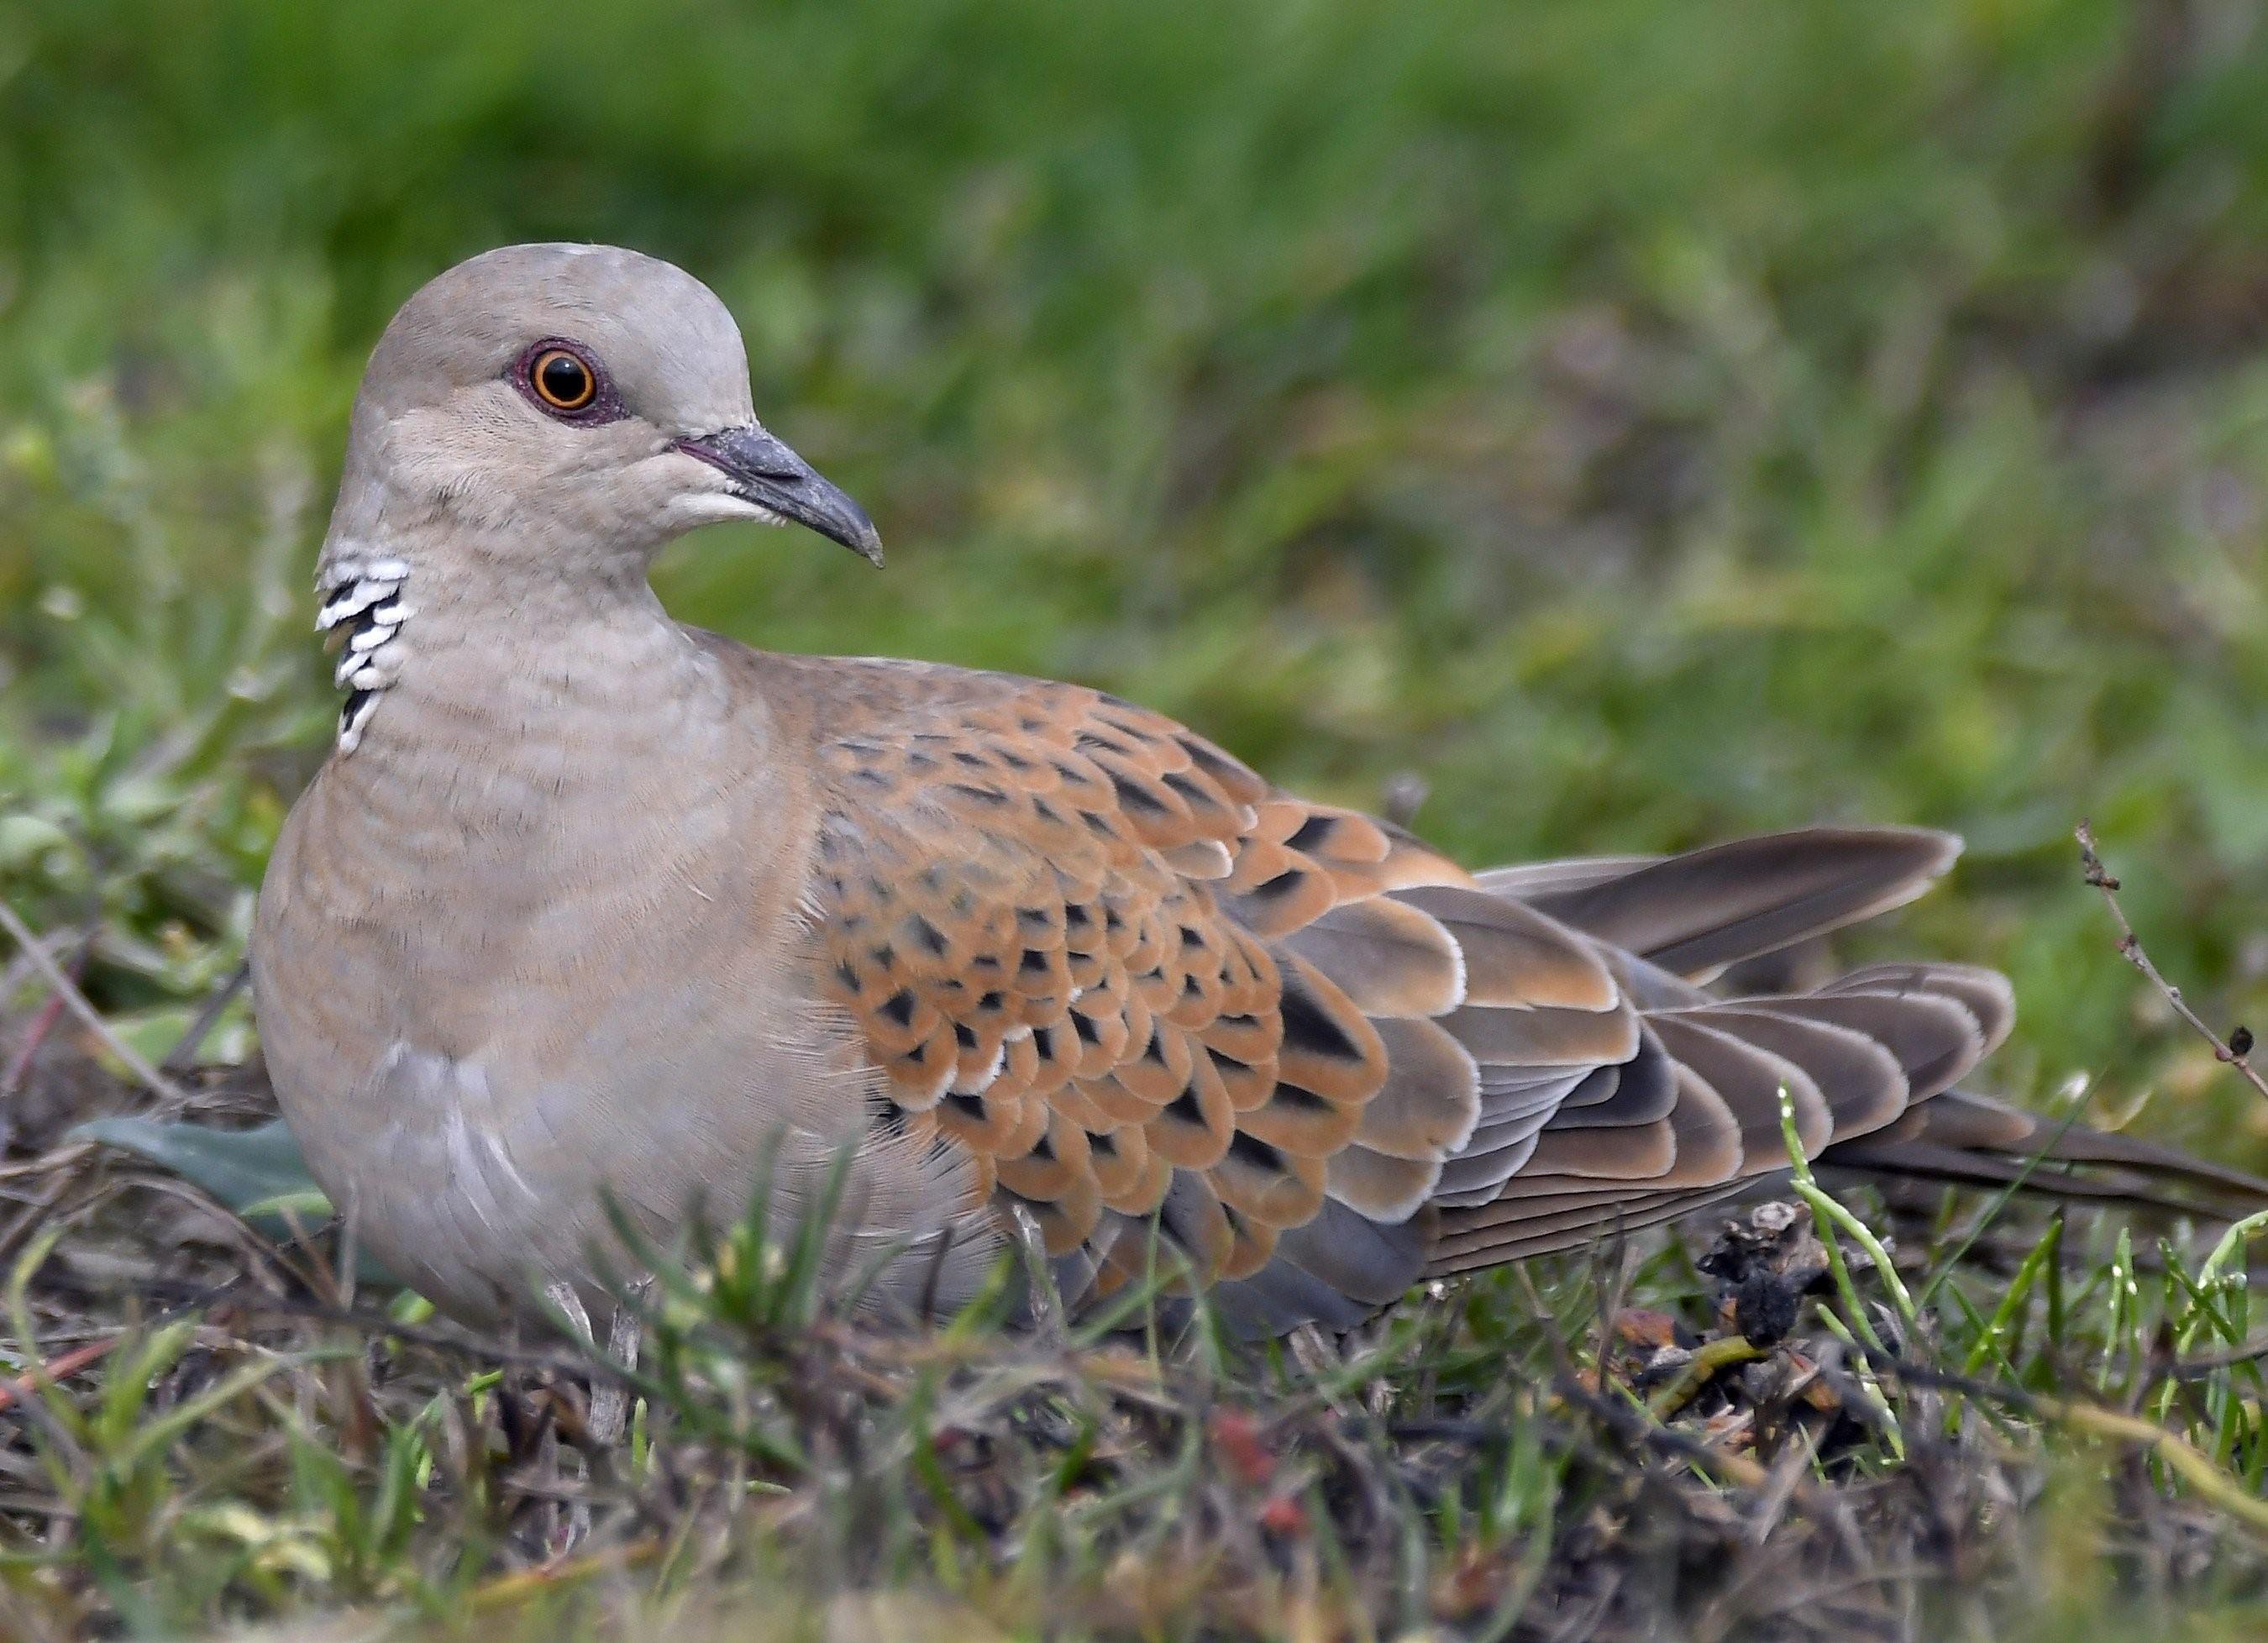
(563,380)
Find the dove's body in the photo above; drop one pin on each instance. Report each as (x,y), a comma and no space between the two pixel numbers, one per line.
(533,938)
(587,902)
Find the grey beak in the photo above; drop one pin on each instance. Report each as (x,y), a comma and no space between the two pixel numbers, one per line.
(766,472)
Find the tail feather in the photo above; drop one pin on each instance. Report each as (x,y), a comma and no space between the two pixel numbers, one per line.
(1972,1139)
(1696,913)
(1867,1062)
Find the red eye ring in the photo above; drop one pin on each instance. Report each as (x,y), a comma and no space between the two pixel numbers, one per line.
(563,380)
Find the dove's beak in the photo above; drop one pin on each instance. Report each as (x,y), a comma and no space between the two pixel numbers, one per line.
(765,472)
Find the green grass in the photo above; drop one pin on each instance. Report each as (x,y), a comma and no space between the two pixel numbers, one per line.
(1483,1459)
(1641,422)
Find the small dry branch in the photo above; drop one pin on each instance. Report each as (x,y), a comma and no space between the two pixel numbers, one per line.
(2236,1054)
(76,1002)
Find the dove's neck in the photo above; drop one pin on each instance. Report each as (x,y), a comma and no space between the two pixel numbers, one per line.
(502,699)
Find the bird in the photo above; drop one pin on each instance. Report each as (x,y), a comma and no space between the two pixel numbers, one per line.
(588,914)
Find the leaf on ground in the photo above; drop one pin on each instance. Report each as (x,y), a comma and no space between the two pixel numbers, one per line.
(259,1172)
(240,1167)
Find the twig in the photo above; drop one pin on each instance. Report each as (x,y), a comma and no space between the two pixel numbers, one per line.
(2131,944)
(182,1057)
(179,1299)
(59,1368)
(74,1001)
(2179,1454)
(1627,1422)
(1700,1369)
(548,1577)
(19,1068)
(2206,1476)
(2198,1368)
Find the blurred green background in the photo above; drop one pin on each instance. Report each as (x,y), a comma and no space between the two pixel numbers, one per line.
(1642,421)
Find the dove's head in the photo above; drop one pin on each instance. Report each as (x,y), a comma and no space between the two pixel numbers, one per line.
(561,412)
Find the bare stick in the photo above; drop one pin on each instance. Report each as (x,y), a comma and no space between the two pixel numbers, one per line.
(2131,944)
(182,1057)
(20,1066)
(58,1368)
(610,1400)
(74,1001)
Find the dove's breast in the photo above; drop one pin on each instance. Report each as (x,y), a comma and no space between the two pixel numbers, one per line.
(616,1019)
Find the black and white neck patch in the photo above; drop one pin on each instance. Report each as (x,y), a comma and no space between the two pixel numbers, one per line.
(363,599)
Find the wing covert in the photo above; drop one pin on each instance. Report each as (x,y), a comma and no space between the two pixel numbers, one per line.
(1128,977)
